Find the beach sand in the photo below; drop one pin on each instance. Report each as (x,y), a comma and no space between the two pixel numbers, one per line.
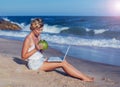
(14,73)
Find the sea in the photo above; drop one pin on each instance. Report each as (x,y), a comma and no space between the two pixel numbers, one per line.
(92,38)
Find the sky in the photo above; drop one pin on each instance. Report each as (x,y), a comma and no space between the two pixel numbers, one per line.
(59,7)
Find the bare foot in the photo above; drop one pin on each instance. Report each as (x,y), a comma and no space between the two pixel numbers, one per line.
(88,79)
(91,78)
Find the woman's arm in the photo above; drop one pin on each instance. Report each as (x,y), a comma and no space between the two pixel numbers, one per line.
(25,54)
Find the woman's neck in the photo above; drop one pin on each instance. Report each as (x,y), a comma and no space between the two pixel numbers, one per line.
(34,36)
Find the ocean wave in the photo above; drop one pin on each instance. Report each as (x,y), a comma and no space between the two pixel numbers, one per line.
(22,25)
(67,39)
(54,28)
(99,31)
(113,43)
(55,34)
(83,31)
(47,28)
(13,33)
(61,29)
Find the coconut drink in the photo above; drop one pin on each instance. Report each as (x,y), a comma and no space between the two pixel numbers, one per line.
(44,44)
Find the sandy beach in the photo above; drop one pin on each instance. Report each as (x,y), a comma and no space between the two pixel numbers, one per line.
(14,73)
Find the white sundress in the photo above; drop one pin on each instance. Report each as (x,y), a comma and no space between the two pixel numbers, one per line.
(36,60)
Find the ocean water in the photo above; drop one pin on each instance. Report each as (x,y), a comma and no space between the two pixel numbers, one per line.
(91,38)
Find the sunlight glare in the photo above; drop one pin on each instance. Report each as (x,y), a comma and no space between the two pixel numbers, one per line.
(117,6)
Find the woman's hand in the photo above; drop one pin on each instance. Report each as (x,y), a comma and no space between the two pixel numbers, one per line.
(38,46)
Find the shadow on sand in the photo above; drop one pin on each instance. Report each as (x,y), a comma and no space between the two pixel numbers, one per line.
(19,61)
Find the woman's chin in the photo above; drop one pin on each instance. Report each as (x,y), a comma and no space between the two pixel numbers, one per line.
(37,35)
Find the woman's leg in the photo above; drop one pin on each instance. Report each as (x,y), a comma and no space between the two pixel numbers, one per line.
(69,69)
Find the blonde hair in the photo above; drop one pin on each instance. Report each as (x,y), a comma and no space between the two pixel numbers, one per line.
(36,23)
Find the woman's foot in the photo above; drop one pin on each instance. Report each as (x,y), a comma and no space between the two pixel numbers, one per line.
(88,79)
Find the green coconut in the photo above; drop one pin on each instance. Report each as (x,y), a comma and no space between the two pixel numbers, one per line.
(44,44)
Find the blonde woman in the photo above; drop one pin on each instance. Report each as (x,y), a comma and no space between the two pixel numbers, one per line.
(31,52)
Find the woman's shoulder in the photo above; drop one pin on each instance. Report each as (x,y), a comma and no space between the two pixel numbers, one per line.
(28,38)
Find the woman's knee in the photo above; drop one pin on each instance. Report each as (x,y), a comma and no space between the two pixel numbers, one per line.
(64,63)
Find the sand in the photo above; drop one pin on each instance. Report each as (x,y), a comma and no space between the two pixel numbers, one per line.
(14,73)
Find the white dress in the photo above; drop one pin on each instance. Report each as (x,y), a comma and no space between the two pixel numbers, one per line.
(36,60)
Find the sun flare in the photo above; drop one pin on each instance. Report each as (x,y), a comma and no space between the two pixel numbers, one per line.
(117,6)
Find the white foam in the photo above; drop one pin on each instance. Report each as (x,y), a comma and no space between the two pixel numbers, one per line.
(26,28)
(81,41)
(13,34)
(99,31)
(72,40)
(6,19)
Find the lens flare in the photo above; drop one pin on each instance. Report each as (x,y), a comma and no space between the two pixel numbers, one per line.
(117,6)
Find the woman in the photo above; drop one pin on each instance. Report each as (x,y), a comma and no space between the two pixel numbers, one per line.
(31,52)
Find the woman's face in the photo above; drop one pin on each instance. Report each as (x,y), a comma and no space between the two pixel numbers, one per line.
(37,31)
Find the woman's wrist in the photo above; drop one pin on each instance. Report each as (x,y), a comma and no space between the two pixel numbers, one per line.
(35,49)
